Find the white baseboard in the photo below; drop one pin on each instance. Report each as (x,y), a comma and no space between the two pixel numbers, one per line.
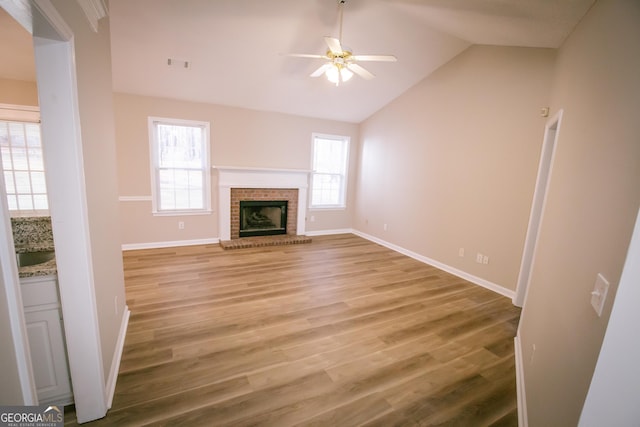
(328,232)
(170,244)
(110,386)
(452,270)
(522,401)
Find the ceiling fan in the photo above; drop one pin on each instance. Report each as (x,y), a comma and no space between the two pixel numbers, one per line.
(341,62)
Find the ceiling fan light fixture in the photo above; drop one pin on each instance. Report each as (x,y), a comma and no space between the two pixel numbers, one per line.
(337,73)
(333,74)
(345,74)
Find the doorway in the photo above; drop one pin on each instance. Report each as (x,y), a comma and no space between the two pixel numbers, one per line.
(551,132)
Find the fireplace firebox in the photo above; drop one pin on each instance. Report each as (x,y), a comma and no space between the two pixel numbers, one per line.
(263,217)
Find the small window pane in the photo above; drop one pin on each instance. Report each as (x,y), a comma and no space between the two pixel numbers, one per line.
(12,202)
(36,162)
(17,134)
(38,183)
(8,182)
(19,155)
(33,135)
(7,164)
(40,202)
(25,202)
(23,183)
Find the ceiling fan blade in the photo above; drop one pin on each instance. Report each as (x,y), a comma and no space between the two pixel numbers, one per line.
(383,58)
(360,71)
(305,55)
(321,70)
(334,45)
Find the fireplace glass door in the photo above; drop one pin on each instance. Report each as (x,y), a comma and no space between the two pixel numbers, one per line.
(263,218)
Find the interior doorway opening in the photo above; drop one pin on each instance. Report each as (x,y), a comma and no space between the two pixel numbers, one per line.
(549,144)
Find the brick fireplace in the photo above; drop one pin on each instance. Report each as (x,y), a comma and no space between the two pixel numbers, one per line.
(264,194)
(261,184)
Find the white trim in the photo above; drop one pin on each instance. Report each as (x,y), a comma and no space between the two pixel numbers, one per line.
(94,10)
(169,244)
(520,390)
(452,270)
(252,169)
(110,387)
(346,140)
(152,121)
(57,87)
(539,201)
(134,198)
(329,232)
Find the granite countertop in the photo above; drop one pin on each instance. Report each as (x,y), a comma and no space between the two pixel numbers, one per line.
(43,269)
(34,247)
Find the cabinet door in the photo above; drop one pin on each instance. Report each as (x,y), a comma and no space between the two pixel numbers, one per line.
(48,354)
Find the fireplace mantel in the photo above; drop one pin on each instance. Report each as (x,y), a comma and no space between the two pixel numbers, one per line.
(245,177)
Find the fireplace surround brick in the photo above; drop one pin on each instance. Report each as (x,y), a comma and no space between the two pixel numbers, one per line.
(289,194)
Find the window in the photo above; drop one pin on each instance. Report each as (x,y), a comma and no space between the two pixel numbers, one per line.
(329,171)
(179,166)
(23,166)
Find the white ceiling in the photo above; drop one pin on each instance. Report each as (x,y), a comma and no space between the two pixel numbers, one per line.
(235,47)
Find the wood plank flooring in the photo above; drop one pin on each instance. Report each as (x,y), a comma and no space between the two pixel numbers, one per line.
(338,332)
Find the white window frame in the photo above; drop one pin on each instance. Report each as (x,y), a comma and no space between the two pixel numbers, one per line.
(154,167)
(342,204)
(26,114)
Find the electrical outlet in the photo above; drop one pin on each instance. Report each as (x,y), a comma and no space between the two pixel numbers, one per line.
(461,252)
(384,227)
(599,293)
(180,225)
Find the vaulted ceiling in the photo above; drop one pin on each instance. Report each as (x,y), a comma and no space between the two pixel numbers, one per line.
(235,48)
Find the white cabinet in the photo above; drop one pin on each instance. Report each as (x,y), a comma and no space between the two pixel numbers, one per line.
(46,339)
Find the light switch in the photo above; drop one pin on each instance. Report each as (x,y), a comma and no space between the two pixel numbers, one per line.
(599,294)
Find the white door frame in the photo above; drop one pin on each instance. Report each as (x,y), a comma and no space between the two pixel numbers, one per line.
(547,155)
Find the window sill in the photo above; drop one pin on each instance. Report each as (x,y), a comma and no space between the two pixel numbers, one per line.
(29,214)
(181,213)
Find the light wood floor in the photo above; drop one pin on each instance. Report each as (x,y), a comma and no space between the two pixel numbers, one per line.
(337,332)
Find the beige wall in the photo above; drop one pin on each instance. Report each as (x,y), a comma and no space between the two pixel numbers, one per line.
(239,137)
(592,203)
(452,163)
(95,97)
(18,92)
